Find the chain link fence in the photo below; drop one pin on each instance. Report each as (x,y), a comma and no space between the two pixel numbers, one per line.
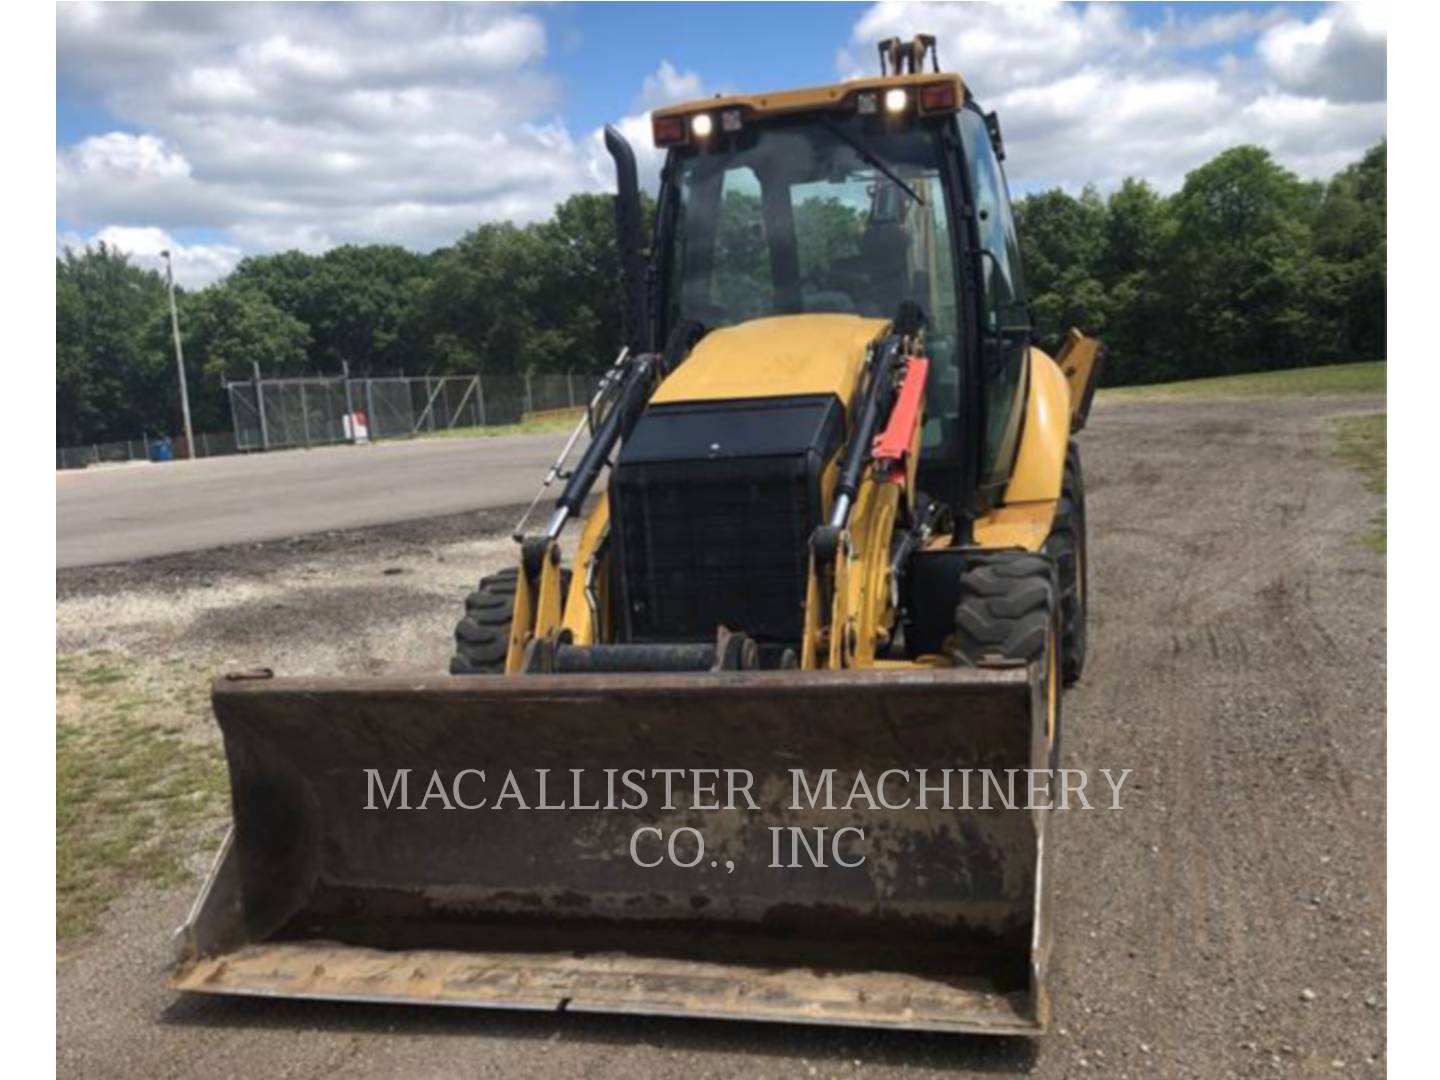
(272,414)
(145,448)
(277,414)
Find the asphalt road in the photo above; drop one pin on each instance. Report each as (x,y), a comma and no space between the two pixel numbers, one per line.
(120,513)
(1229,921)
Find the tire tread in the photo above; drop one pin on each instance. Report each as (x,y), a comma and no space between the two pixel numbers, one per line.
(482,636)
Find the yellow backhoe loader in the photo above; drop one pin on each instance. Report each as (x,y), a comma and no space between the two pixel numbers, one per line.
(702,750)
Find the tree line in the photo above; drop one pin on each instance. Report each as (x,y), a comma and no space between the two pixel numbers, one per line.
(1246,267)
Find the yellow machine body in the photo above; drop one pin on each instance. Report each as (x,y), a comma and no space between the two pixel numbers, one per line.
(781,356)
(443,885)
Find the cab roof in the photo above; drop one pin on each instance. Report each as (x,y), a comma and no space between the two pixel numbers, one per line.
(813,98)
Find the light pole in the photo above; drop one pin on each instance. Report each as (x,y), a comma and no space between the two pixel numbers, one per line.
(179,356)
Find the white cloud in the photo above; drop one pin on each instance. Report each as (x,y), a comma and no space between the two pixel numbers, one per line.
(126,178)
(1086,96)
(315,125)
(1180,31)
(993,45)
(289,128)
(648,159)
(215,86)
(196,265)
(123,154)
(667,85)
(1338,56)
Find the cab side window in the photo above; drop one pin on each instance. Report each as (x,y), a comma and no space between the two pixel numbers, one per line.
(996,218)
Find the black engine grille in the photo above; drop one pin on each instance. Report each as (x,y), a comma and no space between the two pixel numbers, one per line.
(718,535)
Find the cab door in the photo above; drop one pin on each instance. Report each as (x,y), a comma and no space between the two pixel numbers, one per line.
(1004,316)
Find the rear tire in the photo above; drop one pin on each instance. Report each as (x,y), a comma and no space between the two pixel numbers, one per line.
(1067,548)
(482,637)
(1009,611)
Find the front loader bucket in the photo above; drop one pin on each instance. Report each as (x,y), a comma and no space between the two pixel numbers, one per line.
(325,891)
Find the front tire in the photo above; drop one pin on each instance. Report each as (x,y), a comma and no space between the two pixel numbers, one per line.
(1009,611)
(482,637)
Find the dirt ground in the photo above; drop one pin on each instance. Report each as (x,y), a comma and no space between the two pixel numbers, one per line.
(1228,921)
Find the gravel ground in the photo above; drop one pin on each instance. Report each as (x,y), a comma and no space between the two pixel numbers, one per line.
(1229,921)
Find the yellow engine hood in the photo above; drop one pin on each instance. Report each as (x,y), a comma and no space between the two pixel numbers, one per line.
(782,356)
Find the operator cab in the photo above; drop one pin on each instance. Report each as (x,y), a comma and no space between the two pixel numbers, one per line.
(855,200)
(795,217)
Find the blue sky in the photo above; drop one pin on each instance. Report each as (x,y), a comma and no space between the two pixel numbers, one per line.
(221,130)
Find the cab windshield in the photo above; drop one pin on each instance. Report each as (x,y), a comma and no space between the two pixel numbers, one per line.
(796,216)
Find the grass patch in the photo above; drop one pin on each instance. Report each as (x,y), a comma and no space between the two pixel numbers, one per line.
(131,794)
(526,427)
(1366,378)
(1361,445)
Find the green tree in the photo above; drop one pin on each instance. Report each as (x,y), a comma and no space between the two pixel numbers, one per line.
(1130,266)
(478,302)
(356,300)
(546,297)
(112,362)
(1240,266)
(1061,240)
(1245,267)
(227,330)
(287,279)
(1350,236)
(1059,234)
(580,291)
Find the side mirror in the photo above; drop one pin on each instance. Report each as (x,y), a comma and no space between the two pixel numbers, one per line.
(629,236)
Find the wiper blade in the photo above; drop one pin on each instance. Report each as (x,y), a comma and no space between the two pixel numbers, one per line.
(870,158)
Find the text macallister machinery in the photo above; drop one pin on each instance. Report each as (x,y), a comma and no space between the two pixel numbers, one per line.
(842,527)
